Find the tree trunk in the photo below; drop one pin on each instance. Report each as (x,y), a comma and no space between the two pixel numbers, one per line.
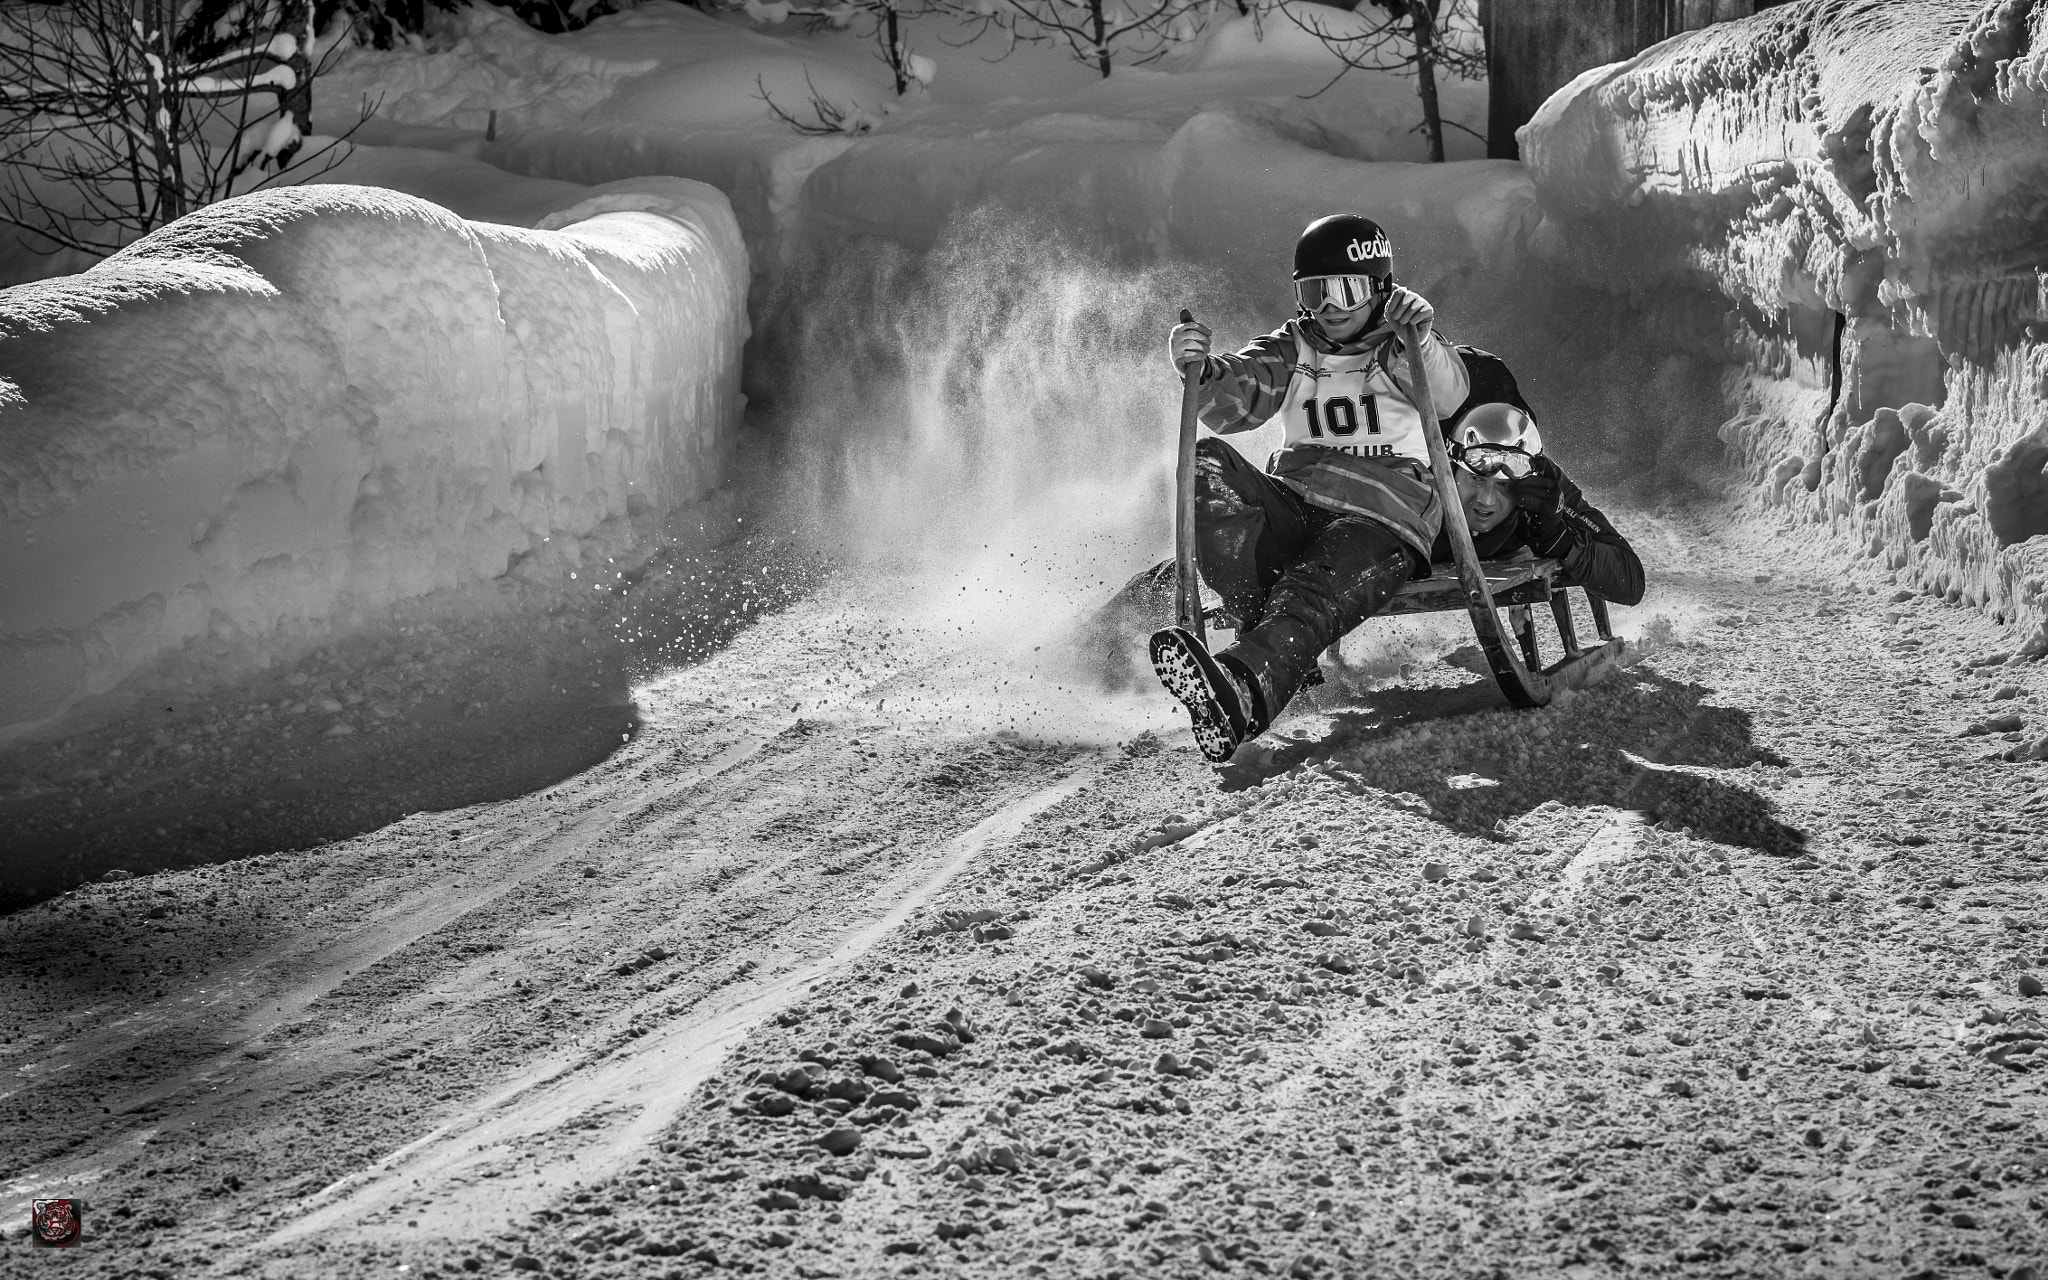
(1423,27)
(1101,36)
(896,54)
(298,103)
(165,114)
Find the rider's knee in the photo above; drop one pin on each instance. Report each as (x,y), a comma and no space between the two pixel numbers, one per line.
(1218,484)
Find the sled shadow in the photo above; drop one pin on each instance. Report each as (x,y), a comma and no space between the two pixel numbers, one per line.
(1638,741)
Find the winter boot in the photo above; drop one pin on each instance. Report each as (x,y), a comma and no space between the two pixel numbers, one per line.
(1219,700)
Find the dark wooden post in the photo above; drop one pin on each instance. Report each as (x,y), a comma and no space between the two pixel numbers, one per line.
(1536,47)
(1423,26)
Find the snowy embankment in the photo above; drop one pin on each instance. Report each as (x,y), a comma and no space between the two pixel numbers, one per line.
(279,417)
(1841,201)
(1217,156)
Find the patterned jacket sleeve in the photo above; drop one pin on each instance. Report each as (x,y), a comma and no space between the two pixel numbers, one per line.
(1239,392)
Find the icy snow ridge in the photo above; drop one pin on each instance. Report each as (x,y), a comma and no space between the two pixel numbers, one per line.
(280,415)
(1875,165)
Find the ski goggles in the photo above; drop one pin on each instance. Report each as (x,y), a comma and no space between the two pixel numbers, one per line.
(1501,460)
(1341,293)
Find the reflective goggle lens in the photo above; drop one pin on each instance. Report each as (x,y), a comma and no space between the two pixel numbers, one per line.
(1497,460)
(1497,423)
(1340,293)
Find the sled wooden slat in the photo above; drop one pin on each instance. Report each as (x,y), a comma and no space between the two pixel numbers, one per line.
(1515,585)
(1523,625)
(1567,631)
(1512,582)
(1600,622)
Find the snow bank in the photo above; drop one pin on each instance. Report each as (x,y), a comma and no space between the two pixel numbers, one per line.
(279,416)
(1852,176)
(1214,187)
(668,89)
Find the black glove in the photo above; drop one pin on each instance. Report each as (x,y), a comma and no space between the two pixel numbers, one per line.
(1540,496)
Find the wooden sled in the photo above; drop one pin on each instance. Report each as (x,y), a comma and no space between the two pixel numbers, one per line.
(1477,586)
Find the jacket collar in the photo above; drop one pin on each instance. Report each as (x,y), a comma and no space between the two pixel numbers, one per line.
(1312,329)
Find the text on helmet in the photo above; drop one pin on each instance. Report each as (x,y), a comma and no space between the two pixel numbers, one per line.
(1377,247)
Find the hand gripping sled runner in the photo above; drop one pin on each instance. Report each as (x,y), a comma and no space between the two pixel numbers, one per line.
(1480,587)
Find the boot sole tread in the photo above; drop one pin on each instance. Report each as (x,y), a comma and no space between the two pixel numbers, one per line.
(1182,676)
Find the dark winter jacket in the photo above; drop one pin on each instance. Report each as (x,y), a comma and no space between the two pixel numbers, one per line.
(1594,555)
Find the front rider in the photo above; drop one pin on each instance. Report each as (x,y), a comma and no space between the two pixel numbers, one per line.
(1348,513)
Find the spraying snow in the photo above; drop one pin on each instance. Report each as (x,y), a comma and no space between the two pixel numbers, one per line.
(979,432)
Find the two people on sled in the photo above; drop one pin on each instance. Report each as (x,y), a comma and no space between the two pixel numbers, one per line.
(1348,512)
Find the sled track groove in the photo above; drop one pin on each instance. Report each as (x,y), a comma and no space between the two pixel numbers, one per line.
(616,1103)
(314,972)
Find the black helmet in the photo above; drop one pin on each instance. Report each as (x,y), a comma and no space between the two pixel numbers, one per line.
(1343,244)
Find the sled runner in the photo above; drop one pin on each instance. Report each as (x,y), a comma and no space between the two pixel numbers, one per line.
(1517,585)
(1481,588)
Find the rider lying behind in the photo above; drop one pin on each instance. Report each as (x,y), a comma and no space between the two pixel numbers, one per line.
(1514,496)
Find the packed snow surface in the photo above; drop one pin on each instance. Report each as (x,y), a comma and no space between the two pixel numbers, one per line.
(1875,165)
(1729,967)
(281,415)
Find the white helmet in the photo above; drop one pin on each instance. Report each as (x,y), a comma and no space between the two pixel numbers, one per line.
(1498,424)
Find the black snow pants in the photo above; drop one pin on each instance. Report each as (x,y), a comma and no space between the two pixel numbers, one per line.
(1298,577)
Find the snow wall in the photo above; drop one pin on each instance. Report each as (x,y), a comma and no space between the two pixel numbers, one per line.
(281,415)
(1841,201)
(1214,189)
(1220,162)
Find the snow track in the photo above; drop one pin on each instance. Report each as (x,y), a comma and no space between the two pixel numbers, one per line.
(274,987)
(619,1102)
(1491,974)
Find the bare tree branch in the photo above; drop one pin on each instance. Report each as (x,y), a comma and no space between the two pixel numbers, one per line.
(1409,39)
(1098,33)
(117,116)
(827,116)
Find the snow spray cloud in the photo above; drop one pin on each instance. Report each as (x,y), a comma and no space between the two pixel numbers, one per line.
(996,414)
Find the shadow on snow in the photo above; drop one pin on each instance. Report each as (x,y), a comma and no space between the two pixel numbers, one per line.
(1640,741)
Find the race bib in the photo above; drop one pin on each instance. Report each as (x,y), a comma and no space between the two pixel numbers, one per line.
(1348,403)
